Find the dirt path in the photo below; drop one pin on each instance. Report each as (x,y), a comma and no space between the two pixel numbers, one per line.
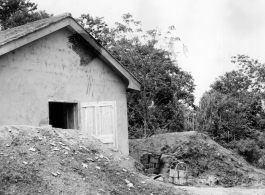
(221,191)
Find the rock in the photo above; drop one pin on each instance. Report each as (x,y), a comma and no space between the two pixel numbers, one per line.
(65,147)
(129,184)
(159,179)
(55,149)
(85,165)
(54,174)
(32,149)
(90,159)
(107,158)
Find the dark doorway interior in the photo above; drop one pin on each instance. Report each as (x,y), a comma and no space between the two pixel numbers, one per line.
(63,115)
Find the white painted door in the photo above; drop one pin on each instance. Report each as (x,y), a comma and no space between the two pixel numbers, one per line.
(99,120)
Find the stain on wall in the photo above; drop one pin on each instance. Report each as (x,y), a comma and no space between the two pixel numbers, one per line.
(82,48)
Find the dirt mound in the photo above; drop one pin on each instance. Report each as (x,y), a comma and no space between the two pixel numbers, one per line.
(204,157)
(55,161)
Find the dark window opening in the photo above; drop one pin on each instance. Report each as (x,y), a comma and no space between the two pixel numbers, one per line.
(63,115)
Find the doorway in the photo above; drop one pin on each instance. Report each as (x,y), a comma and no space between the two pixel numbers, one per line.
(63,115)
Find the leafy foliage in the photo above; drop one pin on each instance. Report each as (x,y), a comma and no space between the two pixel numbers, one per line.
(97,28)
(232,111)
(165,87)
(18,12)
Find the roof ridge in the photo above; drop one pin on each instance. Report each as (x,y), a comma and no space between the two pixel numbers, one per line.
(30,27)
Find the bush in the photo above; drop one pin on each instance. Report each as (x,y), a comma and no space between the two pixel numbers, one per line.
(261,161)
(261,141)
(249,149)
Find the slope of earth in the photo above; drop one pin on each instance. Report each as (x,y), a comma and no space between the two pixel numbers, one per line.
(204,157)
(43,160)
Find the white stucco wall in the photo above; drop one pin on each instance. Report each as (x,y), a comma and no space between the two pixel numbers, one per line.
(51,68)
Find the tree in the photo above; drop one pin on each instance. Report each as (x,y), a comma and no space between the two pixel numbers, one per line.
(98,29)
(165,87)
(254,70)
(232,111)
(227,117)
(233,82)
(18,12)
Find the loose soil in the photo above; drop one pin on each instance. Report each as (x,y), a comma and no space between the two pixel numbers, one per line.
(204,157)
(43,160)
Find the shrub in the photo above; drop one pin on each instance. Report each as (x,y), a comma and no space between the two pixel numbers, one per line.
(249,149)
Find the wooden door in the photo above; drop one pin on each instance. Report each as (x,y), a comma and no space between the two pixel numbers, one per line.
(99,120)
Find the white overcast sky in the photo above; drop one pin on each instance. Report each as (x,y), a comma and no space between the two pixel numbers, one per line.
(213,30)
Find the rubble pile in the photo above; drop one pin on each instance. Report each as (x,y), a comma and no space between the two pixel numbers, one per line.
(208,163)
(42,160)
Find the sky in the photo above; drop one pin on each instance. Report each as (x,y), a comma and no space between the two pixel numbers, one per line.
(213,30)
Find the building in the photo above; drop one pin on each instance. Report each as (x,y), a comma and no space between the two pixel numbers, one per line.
(52,72)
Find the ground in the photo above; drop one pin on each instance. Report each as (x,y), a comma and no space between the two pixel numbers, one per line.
(222,191)
(44,160)
(35,160)
(209,164)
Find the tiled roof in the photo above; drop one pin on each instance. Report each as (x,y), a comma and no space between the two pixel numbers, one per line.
(20,31)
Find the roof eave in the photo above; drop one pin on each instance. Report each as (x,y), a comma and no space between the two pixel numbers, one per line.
(132,83)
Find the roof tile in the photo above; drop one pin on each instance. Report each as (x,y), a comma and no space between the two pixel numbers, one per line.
(20,31)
